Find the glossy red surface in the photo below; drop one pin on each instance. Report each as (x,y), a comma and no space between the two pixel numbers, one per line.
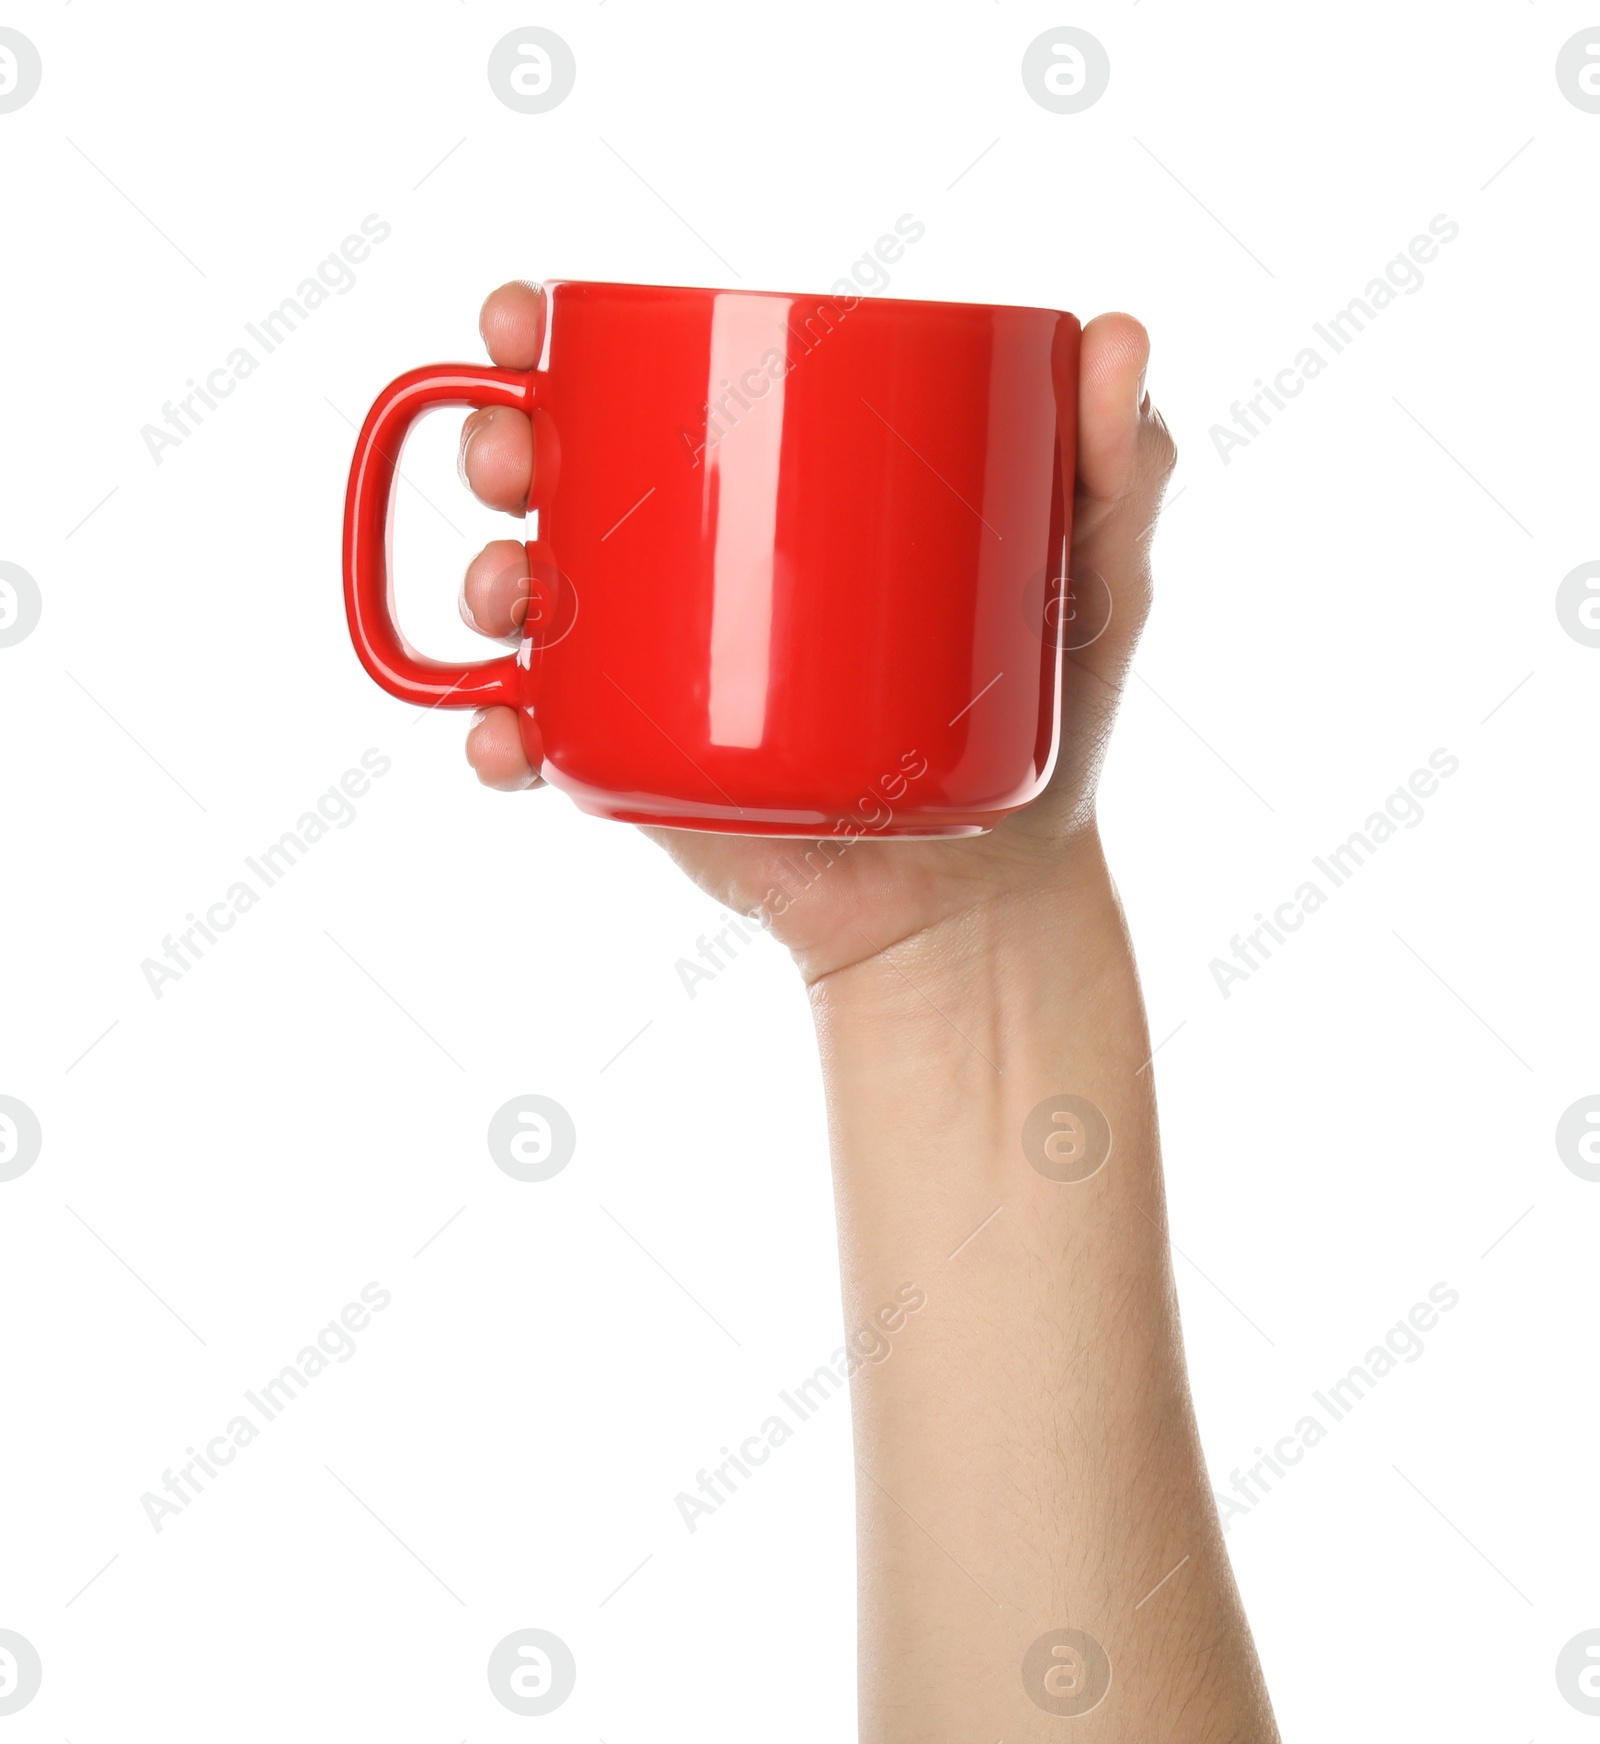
(791,556)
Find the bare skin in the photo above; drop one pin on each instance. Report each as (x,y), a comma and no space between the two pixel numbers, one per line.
(1027,1458)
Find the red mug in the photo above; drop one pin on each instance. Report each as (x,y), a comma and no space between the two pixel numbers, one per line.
(796,559)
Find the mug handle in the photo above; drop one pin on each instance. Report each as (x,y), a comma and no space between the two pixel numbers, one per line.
(368,591)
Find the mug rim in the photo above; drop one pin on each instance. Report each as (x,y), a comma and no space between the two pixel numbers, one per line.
(552,284)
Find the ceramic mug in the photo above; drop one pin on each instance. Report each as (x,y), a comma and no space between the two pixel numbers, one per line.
(791,556)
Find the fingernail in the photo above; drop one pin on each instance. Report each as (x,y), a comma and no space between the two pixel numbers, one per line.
(479,716)
(466,610)
(470,432)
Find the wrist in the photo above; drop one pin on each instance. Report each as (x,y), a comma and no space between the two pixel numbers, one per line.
(1045,936)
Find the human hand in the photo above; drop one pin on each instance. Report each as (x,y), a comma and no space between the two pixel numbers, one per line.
(865,897)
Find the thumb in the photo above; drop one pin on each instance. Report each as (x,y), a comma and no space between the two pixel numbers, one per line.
(1125,457)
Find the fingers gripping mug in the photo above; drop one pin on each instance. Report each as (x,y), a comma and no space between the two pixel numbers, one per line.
(791,556)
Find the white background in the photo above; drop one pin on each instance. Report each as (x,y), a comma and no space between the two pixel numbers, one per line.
(1366,1116)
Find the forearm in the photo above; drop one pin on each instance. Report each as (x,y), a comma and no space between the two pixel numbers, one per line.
(1027,1457)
